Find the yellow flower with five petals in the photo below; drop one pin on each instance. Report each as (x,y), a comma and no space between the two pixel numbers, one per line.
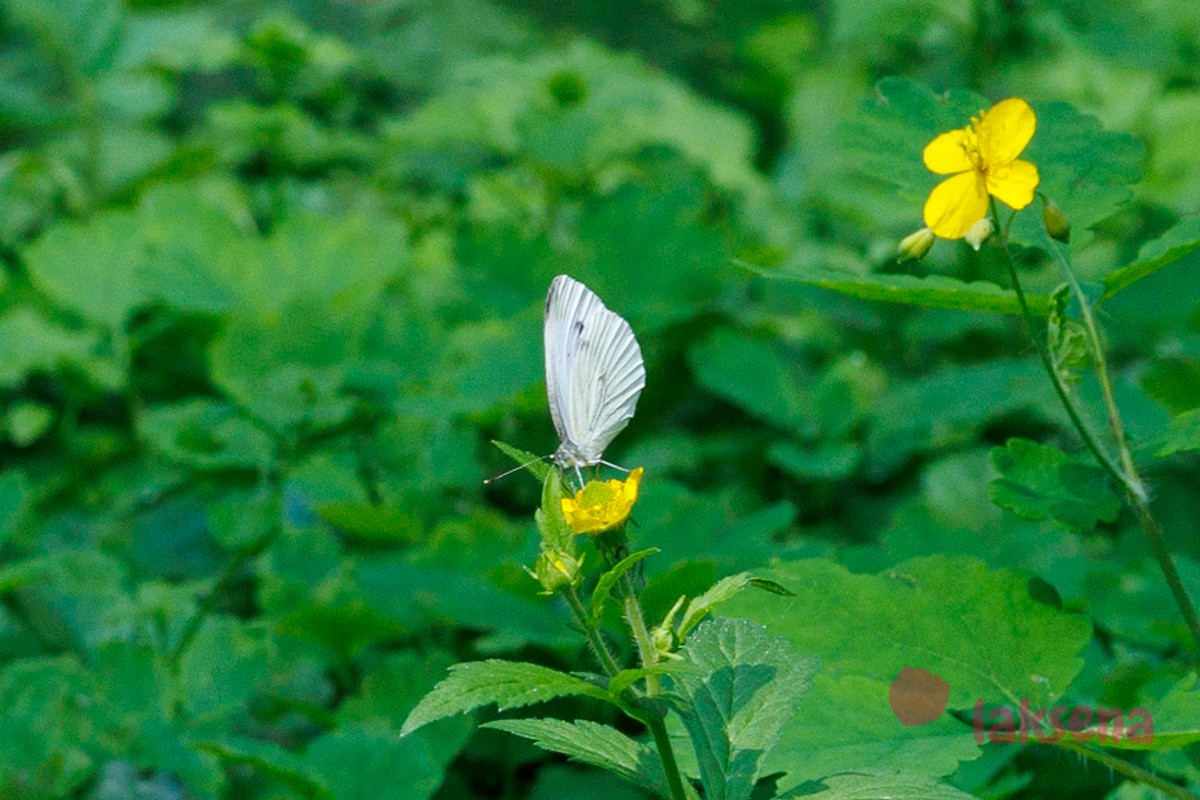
(982,160)
(601,505)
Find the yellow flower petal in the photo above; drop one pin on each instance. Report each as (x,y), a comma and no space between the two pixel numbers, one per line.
(1013,183)
(1005,130)
(947,154)
(601,505)
(956,204)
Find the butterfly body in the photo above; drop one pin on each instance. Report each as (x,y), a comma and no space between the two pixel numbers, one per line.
(594,372)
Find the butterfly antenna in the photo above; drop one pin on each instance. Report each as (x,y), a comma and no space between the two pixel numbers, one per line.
(517,468)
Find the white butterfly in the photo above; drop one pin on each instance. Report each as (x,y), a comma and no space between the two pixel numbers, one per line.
(594,373)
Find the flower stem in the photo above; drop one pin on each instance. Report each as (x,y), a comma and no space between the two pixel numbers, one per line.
(1133,771)
(595,641)
(662,740)
(1125,475)
(651,717)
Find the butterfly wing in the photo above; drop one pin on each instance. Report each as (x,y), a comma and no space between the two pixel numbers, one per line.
(594,370)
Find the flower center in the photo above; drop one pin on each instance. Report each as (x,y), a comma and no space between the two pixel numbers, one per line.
(970,146)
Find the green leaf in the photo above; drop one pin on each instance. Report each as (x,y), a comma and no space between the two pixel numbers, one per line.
(1175,719)
(206,435)
(270,759)
(718,593)
(755,374)
(45,731)
(869,785)
(608,580)
(15,502)
(538,465)
(34,345)
(557,535)
(744,690)
(91,268)
(1182,434)
(933,291)
(1182,239)
(595,744)
(627,677)
(28,422)
(358,762)
(223,667)
(507,684)
(868,628)
(1042,482)
(953,405)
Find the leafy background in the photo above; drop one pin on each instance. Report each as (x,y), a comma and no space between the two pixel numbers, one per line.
(273,277)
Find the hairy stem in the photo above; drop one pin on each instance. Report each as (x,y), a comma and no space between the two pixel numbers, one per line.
(1133,771)
(651,717)
(595,641)
(662,741)
(1125,475)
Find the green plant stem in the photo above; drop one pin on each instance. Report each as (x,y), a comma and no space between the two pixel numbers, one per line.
(1143,776)
(641,635)
(1135,489)
(652,719)
(1127,477)
(595,640)
(662,740)
(1132,482)
(232,568)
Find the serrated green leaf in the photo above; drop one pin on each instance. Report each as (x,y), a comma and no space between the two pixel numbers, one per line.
(1042,482)
(1170,722)
(538,465)
(507,684)
(718,593)
(1182,434)
(608,580)
(1182,239)
(742,693)
(867,628)
(933,291)
(627,677)
(870,785)
(595,744)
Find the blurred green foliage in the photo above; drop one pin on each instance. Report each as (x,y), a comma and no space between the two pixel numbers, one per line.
(272,280)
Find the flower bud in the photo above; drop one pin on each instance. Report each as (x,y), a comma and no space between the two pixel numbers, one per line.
(1055,221)
(978,233)
(555,570)
(914,246)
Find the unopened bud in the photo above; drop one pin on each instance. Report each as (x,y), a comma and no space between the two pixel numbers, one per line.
(556,570)
(978,233)
(914,246)
(1055,221)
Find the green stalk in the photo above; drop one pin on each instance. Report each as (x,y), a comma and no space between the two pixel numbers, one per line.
(652,718)
(595,641)
(1126,475)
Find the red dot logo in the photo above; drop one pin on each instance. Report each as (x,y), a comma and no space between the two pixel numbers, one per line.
(918,697)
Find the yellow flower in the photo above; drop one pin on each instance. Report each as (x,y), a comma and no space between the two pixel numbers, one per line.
(601,505)
(982,158)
